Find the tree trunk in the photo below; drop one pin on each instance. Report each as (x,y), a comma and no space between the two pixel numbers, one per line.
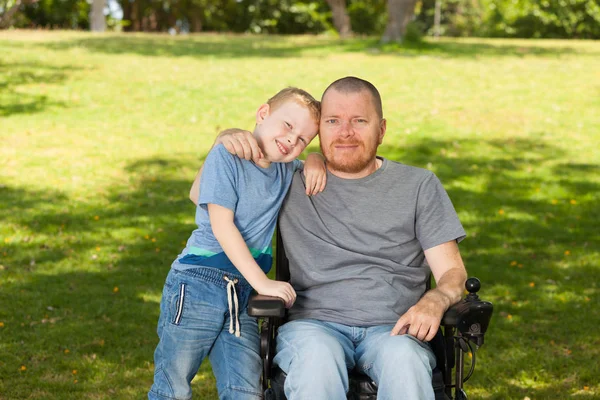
(341,20)
(195,21)
(7,17)
(437,19)
(97,20)
(400,13)
(127,12)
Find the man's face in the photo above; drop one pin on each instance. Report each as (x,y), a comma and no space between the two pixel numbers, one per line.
(283,133)
(350,132)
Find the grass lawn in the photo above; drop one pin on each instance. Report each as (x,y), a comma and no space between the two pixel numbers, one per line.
(101,136)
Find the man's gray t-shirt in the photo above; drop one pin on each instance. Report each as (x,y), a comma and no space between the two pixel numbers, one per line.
(356,249)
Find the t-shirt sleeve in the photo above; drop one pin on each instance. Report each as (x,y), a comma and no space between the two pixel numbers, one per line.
(436,219)
(297,165)
(219,178)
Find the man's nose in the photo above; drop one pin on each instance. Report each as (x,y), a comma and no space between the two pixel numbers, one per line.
(346,129)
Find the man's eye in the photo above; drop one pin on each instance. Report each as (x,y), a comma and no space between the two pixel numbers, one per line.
(330,121)
(361,121)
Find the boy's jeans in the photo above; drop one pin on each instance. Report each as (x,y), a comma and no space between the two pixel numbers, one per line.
(317,355)
(198,326)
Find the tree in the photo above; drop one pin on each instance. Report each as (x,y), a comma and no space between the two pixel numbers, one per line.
(400,13)
(341,20)
(8,10)
(97,19)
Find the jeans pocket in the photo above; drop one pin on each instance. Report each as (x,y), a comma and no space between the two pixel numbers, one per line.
(179,305)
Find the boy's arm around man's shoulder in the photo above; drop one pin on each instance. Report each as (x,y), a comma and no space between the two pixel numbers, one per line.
(238,142)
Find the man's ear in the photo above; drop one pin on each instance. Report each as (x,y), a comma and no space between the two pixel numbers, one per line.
(382,129)
(262,113)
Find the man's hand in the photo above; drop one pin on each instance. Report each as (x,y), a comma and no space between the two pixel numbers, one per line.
(284,290)
(423,319)
(240,143)
(315,173)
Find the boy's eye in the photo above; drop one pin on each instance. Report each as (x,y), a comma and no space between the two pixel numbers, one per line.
(288,125)
(303,140)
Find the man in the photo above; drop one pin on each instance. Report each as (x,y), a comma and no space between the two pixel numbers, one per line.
(360,254)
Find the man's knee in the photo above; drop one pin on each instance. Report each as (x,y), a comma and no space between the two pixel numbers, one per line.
(406,352)
(313,359)
(311,353)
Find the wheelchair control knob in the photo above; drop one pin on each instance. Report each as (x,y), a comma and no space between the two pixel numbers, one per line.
(473,285)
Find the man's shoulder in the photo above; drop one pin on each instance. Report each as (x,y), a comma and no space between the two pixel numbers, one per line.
(407,172)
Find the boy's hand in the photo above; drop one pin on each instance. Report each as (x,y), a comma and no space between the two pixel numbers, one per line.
(315,173)
(240,143)
(284,290)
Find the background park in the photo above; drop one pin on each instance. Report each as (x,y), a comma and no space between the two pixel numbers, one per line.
(102,133)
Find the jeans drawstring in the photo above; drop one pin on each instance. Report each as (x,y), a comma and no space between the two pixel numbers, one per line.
(231,288)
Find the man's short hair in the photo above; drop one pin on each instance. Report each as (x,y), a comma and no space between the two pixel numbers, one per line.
(301,97)
(352,84)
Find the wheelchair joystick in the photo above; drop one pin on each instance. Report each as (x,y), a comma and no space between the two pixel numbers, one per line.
(472,285)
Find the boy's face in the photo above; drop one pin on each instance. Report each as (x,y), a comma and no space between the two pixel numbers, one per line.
(283,133)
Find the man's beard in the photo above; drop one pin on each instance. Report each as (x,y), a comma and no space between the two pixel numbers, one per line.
(358,162)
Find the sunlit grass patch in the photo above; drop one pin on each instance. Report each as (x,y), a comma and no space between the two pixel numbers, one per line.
(103,134)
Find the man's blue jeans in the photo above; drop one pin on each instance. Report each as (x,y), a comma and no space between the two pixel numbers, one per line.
(317,355)
(193,324)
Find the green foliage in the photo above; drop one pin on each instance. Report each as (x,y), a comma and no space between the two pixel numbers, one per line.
(492,18)
(368,17)
(511,18)
(56,14)
(286,16)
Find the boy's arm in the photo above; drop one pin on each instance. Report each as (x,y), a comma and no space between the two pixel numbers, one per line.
(234,246)
(195,190)
(315,173)
(237,141)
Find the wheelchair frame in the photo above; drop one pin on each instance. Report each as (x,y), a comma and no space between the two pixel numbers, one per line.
(464,326)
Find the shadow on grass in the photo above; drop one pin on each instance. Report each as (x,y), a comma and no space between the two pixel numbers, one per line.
(14,77)
(244,46)
(96,281)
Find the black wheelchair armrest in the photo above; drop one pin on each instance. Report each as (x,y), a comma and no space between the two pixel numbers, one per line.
(265,306)
(470,316)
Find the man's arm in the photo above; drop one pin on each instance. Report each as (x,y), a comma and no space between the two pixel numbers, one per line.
(234,246)
(423,319)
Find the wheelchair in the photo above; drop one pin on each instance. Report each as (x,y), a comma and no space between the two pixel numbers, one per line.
(461,332)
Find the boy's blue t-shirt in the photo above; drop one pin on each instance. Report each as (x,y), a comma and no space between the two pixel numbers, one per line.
(254,194)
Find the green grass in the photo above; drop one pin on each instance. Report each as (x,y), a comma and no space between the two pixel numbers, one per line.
(102,135)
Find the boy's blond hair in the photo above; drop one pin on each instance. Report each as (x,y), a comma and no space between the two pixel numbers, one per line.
(301,97)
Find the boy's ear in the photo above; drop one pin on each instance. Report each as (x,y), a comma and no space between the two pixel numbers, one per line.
(262,113)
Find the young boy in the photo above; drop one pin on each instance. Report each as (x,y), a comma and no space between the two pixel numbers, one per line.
(203,308)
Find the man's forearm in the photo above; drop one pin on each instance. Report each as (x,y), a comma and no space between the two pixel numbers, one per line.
(449,272)
(450,287)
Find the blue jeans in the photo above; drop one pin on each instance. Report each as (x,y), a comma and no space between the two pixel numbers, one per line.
(194,323)
(317,355)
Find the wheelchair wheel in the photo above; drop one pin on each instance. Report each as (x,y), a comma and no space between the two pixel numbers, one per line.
(461,395)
